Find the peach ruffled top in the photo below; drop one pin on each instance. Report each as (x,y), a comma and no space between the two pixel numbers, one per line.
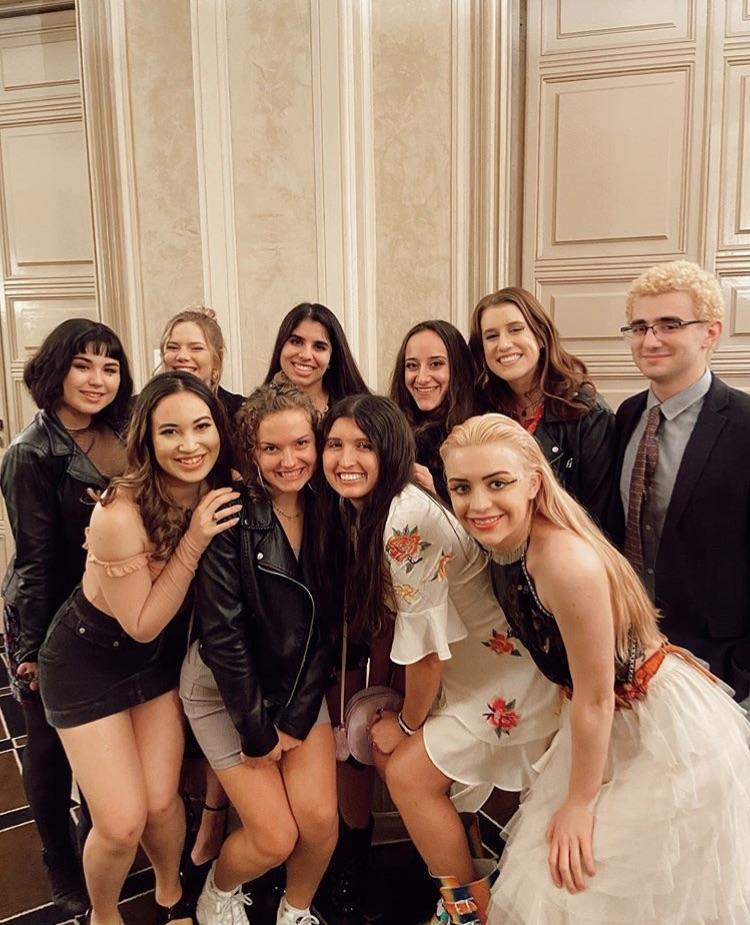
(142,593)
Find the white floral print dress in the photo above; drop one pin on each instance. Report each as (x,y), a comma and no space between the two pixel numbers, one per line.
(496,713)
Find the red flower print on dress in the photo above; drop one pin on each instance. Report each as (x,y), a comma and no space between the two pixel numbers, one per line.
(500,643)
(502,717)
(405,546)
(441,571)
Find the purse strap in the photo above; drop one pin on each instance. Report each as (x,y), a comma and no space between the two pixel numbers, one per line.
(343,672)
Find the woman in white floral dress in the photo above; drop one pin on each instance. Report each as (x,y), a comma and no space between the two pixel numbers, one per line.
(476,710)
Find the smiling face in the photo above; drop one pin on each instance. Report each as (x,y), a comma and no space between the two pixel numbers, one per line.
(286,454)
(350,463)
(491,493)
(186,348)
(90,385)
(675,361)
(426,370)
(511,350)
(186,440)
(306,355)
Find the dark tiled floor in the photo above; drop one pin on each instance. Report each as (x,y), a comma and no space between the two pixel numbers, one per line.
(401,893)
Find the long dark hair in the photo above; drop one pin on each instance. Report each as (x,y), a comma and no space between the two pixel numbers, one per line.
(342,377)
(432,427)
(368,591)
(562,377)
(164,521)
(45,372)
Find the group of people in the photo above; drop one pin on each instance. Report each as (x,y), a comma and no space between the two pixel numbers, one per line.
(249,564)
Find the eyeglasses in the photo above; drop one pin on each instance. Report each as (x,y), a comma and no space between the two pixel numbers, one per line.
(659,328)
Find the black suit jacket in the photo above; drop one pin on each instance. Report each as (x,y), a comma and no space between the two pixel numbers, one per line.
(703,563)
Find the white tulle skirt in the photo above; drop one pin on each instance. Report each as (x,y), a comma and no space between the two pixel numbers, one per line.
(672,822)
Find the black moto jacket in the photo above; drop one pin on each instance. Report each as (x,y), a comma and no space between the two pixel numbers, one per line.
(45,480)
(261,629)
(581,453)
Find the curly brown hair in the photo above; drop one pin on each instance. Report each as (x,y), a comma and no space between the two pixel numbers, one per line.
(562,378)
(164,521)
(281,394)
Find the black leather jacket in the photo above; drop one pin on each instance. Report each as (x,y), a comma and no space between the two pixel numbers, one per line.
(45,479)
(582,454)
(260,628)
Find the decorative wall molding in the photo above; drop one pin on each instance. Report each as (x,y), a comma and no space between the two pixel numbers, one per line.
(216,176)
(105,86)
(462,84)
(343,126)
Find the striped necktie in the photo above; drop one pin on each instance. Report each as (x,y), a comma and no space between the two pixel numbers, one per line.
(640,481)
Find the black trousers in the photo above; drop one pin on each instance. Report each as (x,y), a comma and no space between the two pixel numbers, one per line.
(47,781)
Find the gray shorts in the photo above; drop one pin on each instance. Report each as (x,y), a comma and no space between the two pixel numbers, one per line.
(208,717)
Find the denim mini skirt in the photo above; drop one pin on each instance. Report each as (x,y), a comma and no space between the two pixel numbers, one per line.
(90,668)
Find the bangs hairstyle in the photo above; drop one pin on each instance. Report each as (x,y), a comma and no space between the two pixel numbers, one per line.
(44,373)
(561,377)
(368,586)
(631,606)
(279,395)
(205,318)
(342,377)
(680,276)
(164,521)
(457,405)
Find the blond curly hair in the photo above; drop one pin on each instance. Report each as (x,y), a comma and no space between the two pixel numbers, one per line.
(680,276)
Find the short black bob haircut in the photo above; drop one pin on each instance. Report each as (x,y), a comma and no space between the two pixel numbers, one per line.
(44,373)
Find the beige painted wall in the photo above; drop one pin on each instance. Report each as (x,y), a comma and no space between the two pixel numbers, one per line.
(273,153)
(412,115)
(168,233)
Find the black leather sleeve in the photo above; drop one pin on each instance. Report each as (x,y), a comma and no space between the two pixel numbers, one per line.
(223,621)
(598,447)
(28,479)
(299,717)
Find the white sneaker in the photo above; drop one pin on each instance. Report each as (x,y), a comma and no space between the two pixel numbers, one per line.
(215,907)
(287,916)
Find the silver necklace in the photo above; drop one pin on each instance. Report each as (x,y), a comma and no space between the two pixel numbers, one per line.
(508,556)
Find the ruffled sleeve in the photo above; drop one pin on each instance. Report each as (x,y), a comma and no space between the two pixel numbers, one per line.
(120,568)
(419,544)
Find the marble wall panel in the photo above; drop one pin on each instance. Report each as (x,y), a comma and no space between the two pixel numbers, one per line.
(164,149)
(412,126)
(273,151)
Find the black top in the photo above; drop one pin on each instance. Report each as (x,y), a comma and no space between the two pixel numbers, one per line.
(535,626)
(261,628)
(45,480)
(428,455)
(231,400)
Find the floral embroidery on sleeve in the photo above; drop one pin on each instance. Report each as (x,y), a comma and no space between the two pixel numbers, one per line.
(441,573)
(502,717)
(408,593)
(405,546)
(501,644)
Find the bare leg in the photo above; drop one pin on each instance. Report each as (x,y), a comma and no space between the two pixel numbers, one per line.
(158,727)
(105,762)
(268,834)
(309,773)
(420,792)
(210,834)
(353,785)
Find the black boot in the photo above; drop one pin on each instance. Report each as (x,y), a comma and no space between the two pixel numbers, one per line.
(341,897)
(66,881)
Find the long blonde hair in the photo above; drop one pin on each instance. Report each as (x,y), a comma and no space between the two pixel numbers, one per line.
(631,607)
